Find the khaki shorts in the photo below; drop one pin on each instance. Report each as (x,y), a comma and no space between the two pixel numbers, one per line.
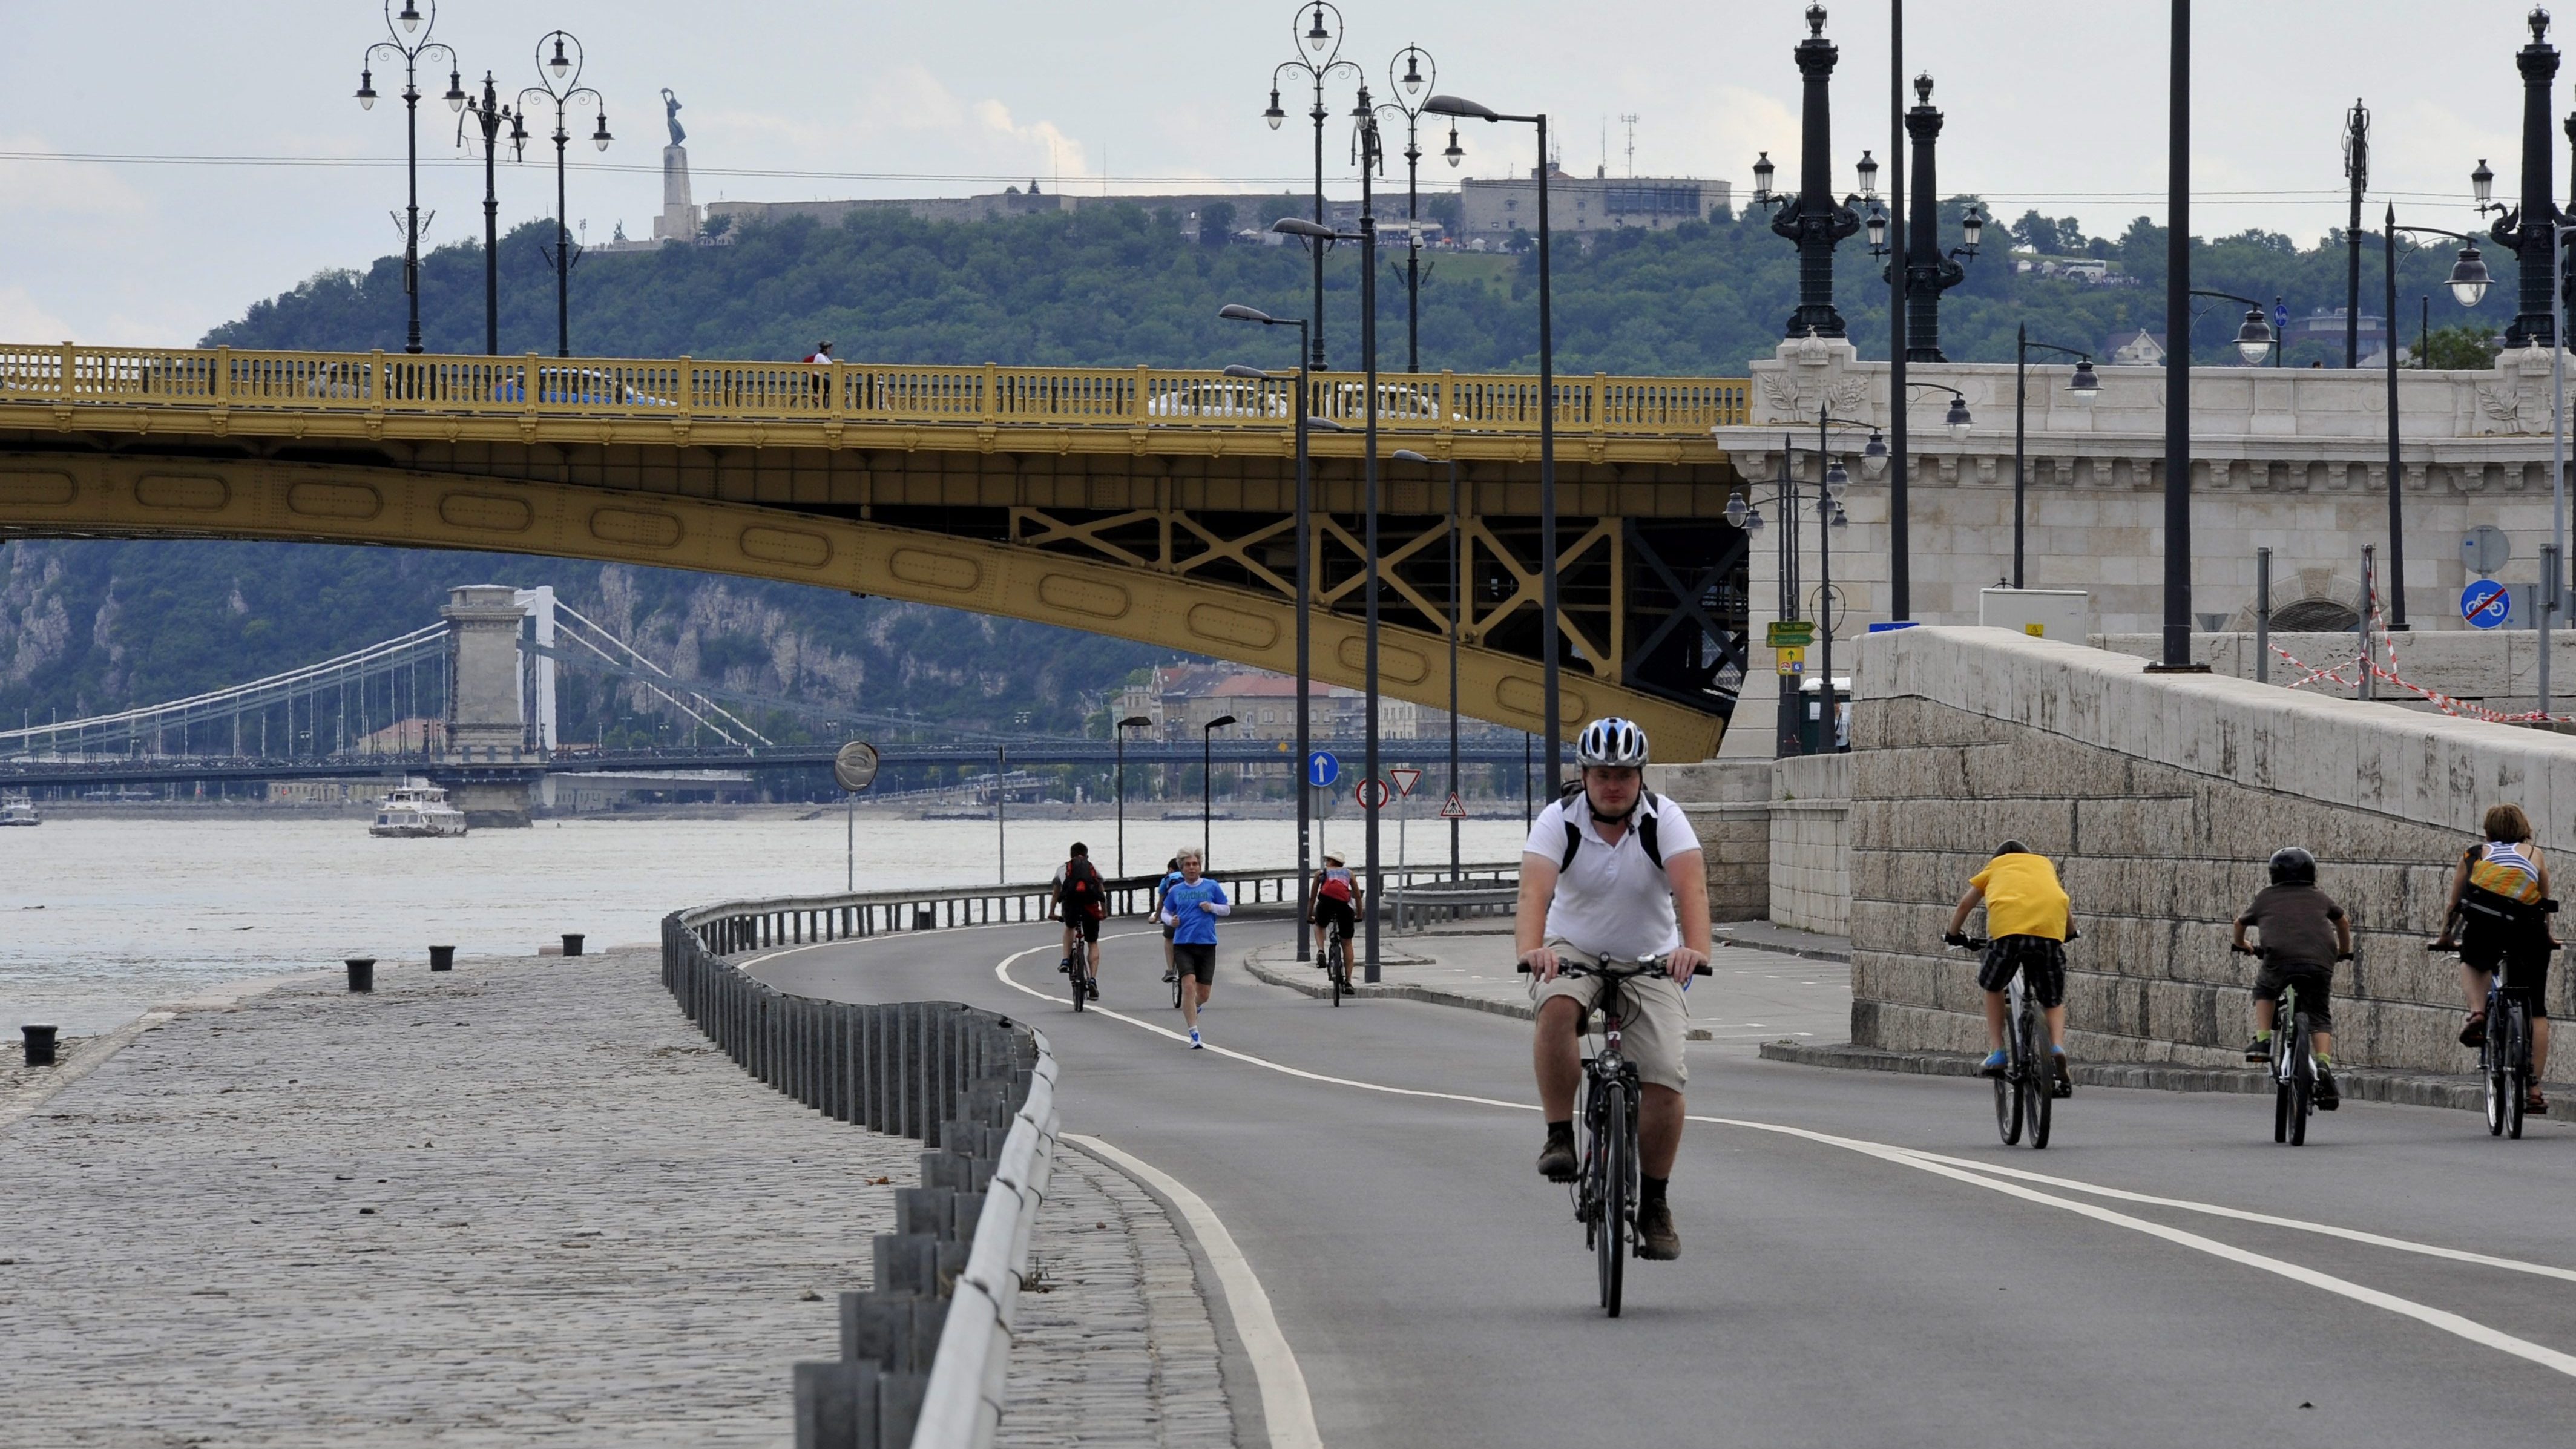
(1657,1018)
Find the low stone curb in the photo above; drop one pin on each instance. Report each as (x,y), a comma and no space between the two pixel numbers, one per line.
(1302,979)
(1798,944)
(2361,1084)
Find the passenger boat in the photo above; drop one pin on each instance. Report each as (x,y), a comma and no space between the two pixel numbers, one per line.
(17,809)
(416,808)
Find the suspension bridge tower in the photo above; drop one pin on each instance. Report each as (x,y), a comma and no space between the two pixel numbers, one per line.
(491,771)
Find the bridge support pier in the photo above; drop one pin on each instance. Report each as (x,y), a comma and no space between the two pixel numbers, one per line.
(490,773)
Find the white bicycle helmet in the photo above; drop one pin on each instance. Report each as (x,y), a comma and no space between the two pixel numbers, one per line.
(1611,740)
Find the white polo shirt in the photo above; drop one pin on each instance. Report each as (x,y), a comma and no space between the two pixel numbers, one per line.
(1613,901)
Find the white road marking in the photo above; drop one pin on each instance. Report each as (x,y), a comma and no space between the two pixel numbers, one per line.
(1286,1407)
(2447,1322)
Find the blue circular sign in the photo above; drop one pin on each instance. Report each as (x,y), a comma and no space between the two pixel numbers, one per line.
(1322,769)
(2485,604)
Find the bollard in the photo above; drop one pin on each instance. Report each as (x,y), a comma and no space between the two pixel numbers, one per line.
(572,943)
(836,1405)
(362,973)
(40,1044)
(442,958)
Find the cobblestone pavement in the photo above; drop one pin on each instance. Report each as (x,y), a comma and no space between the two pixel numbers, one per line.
(1118,1349)
(517,1202)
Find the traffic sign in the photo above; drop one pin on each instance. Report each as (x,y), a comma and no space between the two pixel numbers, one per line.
(1405,778)
(1322,769)
(1325,802)
(2281,321)
(2485,549)
(1791,660)
(2485,604)
(855,767)
(1455,809)
(1789,634)
(1371,794)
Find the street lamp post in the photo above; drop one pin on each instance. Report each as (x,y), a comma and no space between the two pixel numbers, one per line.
(2468,287)
(411,20)
(1928,270)
(2176,654)
(1207,785)
(1131,722)
(2084,388)
(2254,336)
(565,65)
(491,116)
(1420,74)
(2526,229)
(1551,631)
(1457,598)
(1324,43)
(1367,238)
(1812,219)
(1237,312)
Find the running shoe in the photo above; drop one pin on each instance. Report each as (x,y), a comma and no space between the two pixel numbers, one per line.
(1993,1065)
(1194,1038)
(2259,1049)
(2327,1097)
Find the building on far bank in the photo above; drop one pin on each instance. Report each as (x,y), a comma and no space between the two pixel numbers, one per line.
(1490,211)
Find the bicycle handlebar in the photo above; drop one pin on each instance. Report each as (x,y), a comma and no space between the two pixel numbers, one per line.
(1649,966)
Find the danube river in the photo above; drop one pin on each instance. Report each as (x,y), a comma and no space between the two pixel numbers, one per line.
(107,916)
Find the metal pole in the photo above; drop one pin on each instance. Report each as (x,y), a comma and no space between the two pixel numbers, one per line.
(1792,603)
(1457,605)
(2396,474)
(1549,633)
(1207,794)
(2356,167)
(2557,439)
(2021,436)
(1315,244)
(1305,711)
(2369,686)
(2177,622)
(1900,574)
(1413,244)
(1824,589)
(563,248)
(2262,616)
(850,824)
(2550,601)
(1368,464)
(490,119)
(1529,803)
(411,212)
(1001,802)
(1121,732)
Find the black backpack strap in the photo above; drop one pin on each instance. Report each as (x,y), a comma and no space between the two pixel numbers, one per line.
(1573,843)
(1646,830)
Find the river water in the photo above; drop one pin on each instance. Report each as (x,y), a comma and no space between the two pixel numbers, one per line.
(100,918)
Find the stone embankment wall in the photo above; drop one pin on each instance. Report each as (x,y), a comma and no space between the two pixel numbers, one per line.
(1777,835)
(2498,667)
(2161,797)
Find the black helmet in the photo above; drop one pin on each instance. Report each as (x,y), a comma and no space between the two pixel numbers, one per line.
(2012,847)
(2292,865)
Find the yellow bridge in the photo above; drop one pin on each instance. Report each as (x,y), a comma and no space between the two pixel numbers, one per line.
(1147,503)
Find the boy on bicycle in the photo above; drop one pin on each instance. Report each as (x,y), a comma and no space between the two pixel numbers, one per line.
(2498,917)
(1336,907)
(2028,917)
(1081,899)
(2304,934)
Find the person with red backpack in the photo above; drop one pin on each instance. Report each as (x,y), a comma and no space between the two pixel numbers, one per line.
(1081,899)
(1336,896)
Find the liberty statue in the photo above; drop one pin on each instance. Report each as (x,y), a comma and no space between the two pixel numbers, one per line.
(671,115)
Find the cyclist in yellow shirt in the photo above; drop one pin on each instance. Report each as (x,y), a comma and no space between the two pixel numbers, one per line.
(2028,920)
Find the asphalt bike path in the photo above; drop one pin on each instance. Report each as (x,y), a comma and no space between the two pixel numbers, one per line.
(1863,1262)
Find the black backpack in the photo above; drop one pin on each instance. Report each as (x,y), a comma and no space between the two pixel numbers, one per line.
(1082,887)
(1645,827)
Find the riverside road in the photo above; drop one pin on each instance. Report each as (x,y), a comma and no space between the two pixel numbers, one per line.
(1863,1262)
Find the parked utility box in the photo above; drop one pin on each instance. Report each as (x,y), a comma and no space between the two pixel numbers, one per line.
(2046,613)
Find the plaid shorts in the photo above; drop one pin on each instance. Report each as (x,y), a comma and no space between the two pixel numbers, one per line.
(2041,962)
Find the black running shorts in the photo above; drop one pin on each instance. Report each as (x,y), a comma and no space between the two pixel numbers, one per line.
(1198,958)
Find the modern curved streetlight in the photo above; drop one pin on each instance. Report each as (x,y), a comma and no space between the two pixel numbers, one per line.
(411,19)
(2468,284)
(1322,43)
(1131,722)
(1207,785)
(2254,336)
(2083,387)
(563,69)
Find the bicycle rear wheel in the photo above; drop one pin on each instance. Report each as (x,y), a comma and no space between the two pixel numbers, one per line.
(2517,1058)
(1336,965)
(2492,1060)
(2303,1081)
(1077,973)
(1180,983)
(1610,1233)
(2008,1107)
(2039,1086)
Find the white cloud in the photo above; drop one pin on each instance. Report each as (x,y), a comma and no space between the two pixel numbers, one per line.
(22,319)
(36,180)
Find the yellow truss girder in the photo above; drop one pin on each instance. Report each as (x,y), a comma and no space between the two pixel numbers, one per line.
(133,495)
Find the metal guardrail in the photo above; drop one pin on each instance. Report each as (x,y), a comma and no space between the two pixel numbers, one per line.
(683,391)
(739,926)
(1415,907)
(925,1350)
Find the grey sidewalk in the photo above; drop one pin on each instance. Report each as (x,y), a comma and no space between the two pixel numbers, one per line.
(521,1202)
(1750,996)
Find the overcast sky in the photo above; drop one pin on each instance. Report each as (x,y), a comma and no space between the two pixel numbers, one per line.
(2055,105)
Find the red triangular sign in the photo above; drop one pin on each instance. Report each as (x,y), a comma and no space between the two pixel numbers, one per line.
(1454,810)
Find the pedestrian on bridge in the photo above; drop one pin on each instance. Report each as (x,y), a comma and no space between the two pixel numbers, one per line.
(1190,908)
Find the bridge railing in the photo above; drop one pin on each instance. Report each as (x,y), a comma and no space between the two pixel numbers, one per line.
(738,926)
(687,389)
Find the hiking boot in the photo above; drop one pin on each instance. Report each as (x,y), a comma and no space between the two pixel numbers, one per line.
(2063,1083)
(2327,1098)
(2474,1034)
(1556,1161)
(1655,1236)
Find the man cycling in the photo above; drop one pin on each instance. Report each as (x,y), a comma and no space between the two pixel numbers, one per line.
(1336,896)
(1611,870)
(1081,899)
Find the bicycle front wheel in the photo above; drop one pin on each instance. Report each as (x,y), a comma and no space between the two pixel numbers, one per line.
(2039,1085)
(2008,1107)
(2303,1082)
(1078,974)
(1337,967)
(1610,1233)
(2517,1057)
(2491,1067)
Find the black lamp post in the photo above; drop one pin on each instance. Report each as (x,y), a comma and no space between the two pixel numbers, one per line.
(411,20)
(2528,230)
(1551,634)
(1323,44)
(1745,512)
(1237,312)
(2468,287)
(1928,270)
(1419,75)
(2084,388)
(1131,722)
(1811,218)
(2254,336)
(491,115)
(1320,235)
(563,68)
(1457,604)
(2176,654)
(1207,784)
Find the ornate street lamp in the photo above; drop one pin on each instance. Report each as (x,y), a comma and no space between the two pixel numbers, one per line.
(1411,90)
(563,87)
(491,116)
(1928,271)
(1323,42)
(1812,219)
(411,52)
(2526,230)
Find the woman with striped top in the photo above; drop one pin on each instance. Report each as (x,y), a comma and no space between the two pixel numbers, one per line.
(2498,915)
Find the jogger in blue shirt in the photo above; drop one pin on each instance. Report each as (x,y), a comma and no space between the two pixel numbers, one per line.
(1190,908)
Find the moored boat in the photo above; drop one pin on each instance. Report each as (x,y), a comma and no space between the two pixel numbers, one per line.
(416,808)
